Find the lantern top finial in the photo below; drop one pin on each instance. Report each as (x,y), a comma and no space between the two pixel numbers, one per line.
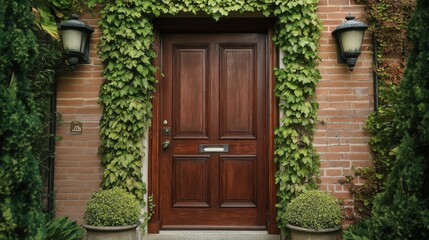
(76,24)
(351,23)
(350,17)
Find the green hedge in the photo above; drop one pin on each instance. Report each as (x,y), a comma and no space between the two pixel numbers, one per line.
(20,204)
(401,211)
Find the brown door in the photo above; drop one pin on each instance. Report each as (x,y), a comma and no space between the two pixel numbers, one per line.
(214,121)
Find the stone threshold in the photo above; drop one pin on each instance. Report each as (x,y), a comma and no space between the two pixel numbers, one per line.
(211,235)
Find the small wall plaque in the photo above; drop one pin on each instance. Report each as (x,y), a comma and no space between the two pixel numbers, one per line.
(76,128)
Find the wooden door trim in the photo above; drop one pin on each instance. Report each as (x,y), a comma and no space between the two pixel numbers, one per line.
(263,25)
(273,123)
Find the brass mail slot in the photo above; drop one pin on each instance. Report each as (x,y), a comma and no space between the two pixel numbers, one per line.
(213,148)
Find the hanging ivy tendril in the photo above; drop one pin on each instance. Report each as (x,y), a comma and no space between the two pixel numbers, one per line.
(126,47)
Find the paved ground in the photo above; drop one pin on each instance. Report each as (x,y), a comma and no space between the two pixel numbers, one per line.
(211,235)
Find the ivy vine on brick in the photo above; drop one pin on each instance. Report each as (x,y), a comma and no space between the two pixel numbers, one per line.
(126,47)
(298,163)
(387,21)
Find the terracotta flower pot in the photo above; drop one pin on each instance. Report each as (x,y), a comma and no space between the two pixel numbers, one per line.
(111,233)
(299,233)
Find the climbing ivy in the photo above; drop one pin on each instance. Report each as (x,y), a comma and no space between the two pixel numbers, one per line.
(297,36)
(387,20)
(126,47)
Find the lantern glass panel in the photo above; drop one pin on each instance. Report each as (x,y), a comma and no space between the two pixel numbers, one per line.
(351,40)
(72,40)
(83,41)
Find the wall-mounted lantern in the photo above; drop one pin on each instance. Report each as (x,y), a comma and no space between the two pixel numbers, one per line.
(349,36)
(75,35)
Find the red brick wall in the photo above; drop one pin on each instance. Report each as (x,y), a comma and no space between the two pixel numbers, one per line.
(77,165)
(345,100)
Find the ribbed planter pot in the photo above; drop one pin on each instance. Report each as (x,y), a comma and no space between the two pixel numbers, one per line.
(111,233)
(299,233)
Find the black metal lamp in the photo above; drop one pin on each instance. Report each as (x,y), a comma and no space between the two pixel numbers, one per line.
(349,36)
(75,35)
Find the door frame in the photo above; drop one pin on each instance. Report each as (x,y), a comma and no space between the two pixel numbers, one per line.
(208,25)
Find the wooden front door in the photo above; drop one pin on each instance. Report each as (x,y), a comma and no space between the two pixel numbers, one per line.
(213,163)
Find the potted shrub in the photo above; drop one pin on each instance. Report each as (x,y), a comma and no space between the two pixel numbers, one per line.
(313,215)
(112,214)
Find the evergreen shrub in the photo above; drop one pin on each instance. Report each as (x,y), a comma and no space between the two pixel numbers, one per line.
(314,210)
(112,207)
(20,184)
(401,210)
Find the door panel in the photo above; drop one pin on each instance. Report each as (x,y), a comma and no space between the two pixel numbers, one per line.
(237,91)
(238,181)
(189,97)
(214,93)
(190,182)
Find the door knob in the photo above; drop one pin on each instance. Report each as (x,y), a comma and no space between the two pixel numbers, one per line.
(165,144)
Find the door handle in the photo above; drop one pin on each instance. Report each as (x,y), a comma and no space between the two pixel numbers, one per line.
(165,144)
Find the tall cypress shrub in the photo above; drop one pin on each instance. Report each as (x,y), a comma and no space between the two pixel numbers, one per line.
(401,211)
(20,203)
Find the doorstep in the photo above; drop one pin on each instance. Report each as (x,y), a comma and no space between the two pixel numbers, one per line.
(211,235)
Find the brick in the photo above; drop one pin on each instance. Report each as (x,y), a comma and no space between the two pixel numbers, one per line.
(355,10)
(90,176)
(364,105)
(343,126)
(340,105)
(323,2)
(67,81)
(361,163)
(78,95)
(78,88)
(363,148)
(329,180)
(333,172)
(66,176)
(339,2)
(336,98)
(331,84)
(342,195)
(325,8)
(340,91)
(67,183)
(319,140)
(339,148)
(333,156)
(339,188)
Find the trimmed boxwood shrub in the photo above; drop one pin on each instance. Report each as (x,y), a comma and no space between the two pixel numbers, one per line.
(314,210)
(112,207)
